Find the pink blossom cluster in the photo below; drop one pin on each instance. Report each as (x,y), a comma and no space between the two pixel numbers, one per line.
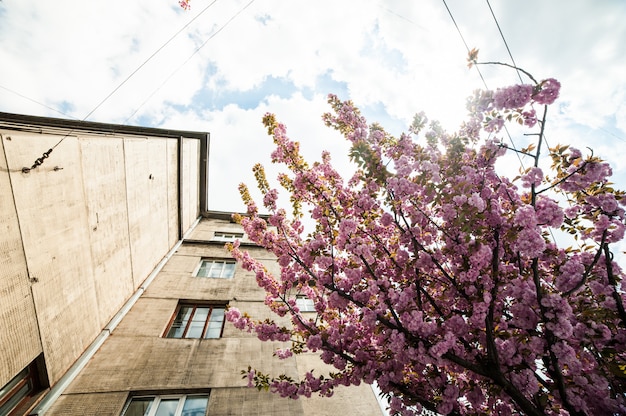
(516,96)
(593,200)
(489,109)
(533,177)
(548,91)
(433,275)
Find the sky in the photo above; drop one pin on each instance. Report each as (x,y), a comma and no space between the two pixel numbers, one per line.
(221,65)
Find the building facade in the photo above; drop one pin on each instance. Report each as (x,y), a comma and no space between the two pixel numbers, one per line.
(115,279)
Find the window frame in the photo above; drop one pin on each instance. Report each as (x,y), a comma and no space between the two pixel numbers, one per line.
(187,323)
(30,376)
(158,398)
(305,304)
(214,261)
(227,236)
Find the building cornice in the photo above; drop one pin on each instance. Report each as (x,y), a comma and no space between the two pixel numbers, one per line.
(36,123)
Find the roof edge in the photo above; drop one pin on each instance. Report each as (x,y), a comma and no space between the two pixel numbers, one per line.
(13,120)
(228,215)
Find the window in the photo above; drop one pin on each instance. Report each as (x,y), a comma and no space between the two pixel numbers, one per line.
(168,405)
(197,321)
(226,236)
(21,390)
(305,304)
(219,269)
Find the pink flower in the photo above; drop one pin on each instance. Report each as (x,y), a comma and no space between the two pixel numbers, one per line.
(549,91)
(530,243)
(250,377)
(408,268)
(530,118)
(571,273)
(314,342)
(476,397)
(525,216)
(494,125)
(283,353)
(476,201)
(270,199)
(513,97)
(548,212)
(534,176)
(386,219)
(524,316)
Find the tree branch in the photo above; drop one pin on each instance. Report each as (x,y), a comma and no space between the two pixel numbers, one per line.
(608,261)
(510,66)
(588,269)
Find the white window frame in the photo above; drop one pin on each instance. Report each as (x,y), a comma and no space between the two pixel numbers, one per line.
(305,304)
(226,235)
(157,398)
(213,262)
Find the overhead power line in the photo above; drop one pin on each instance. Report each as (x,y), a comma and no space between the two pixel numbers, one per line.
(504,40)
(46,154)
(37,102)
(545,139)
(481,77)
(464,42)
(148,59)
(165,81)
(543,136)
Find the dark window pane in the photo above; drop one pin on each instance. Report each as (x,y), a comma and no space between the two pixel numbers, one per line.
(305,304)
(14,382)
(167,407)
(229,270)
(204,268)
(16,390)
(180,322)
(217,315)
(197,323)
(139,406)
(219,269)
(195,406)
(15,399)
(216,323)
(212,333)
(216,269)
(227,236)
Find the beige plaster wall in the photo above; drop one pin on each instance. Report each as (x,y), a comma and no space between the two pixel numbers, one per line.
(19,335)
(53,222)
(94,220)
(107,222)
(191,180)
(136,357)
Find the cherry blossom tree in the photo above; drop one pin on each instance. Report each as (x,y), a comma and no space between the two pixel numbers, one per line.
(440,278)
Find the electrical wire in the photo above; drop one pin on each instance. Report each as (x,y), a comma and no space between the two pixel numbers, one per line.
(545,139)
(46,154)
(188,59)
(464,42)
(543,136)
(504,40)
(482,78)
(148,59)
(37,102)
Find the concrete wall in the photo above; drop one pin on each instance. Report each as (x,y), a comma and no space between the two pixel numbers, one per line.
(190,182)
(93,221)
(19,334)
(136,357)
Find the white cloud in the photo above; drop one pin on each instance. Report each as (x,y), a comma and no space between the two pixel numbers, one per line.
(393,57)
